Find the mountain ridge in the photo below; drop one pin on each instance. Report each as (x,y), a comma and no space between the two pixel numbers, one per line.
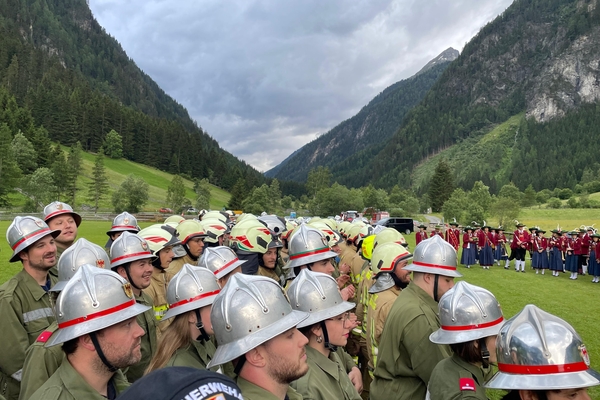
(373,124)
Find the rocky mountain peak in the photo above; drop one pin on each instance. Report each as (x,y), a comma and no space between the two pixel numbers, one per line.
(450,54)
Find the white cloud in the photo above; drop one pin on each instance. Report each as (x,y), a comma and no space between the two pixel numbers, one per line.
(266,77)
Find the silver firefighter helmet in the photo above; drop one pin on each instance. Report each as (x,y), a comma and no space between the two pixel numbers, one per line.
(57,208)
(220,260)
(92,300)
(249,311)
(127,248)
(25,231)
(80,253)
(539,351)
(307,245)
(467,312)
(124,222)
(318,294)
(435,256)
(191,288)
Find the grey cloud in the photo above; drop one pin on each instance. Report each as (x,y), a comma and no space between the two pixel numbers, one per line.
(266,77)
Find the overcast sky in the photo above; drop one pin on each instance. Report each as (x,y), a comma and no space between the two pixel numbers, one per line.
(266,77)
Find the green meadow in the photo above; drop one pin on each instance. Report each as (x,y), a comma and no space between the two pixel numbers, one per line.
(575,301)
(117,170)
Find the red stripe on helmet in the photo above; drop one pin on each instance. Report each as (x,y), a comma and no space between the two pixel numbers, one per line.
(542,369)
(125,226)
(143,253)
(422,264)
(309,253)
(196,298)
(55,213)
(475,326)
(156,239)
(98,314)
(14,246)
(226,265)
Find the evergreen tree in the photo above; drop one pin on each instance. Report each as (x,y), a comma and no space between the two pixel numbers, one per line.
(238,194)
(318,178)
(39,187)
(529,197)
(74,167)
(113,145)
(202,190)
(441,186)
(176,194)
(97,188)
(131,195)
(10,172)
(24,153)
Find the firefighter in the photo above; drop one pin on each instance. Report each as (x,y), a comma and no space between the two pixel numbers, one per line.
(25,304)
(98,331)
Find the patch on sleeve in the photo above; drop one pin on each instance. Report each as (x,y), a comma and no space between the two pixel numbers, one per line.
(466,384)
(44,336)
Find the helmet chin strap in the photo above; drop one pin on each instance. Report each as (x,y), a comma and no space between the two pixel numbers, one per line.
(435,288)
(485,354)
(203,335)
(130,279)
(327,345)
(108,365)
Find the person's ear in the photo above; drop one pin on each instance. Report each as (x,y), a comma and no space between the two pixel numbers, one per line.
(256,357)
(528,395)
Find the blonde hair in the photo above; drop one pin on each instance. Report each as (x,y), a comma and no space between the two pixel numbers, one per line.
(175,337)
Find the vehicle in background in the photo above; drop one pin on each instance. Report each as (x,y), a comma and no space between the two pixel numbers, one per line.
(165,210)
(350,215)
(191,210)
(378,216)
(402,225)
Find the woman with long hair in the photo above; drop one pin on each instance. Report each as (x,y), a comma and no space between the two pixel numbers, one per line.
(186,341)
(327,327)
(470,319)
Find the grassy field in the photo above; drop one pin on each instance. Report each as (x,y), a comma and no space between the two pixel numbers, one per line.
(575,301)
(117,171)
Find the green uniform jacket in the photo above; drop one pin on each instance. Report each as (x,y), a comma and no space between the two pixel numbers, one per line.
(147,321)
(26,312)
(406,357)
(446,384)
(252,392)
(67,384)
(196,355)
(40,363)
(176,265)
(326,378)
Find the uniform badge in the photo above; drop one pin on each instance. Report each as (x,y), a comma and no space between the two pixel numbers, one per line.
(219,396)
(144,245)
(100,263)
(59,206)
(128,290)
(39,223)
(584,354)
(125,221)
(466,384)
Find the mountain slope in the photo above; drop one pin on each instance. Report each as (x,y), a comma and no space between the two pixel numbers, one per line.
(79,84)
(540,58)
(373,125)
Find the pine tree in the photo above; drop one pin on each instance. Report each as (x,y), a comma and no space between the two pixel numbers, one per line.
(176,194)
(97,189)
(73,165)
(239,192)
(441,186)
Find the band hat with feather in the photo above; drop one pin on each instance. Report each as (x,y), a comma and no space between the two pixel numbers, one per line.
(435,256)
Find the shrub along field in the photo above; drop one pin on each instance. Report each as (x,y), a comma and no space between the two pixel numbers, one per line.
(574,301)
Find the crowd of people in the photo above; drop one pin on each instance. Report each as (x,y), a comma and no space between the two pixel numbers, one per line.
(264,308)
(563,251)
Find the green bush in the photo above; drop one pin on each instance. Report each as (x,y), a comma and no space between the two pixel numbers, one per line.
(554,202)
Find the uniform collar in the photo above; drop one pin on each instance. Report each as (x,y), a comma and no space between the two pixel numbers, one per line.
(328,365)
(476,371)
(421,294)
(251,391)
(75,384)
(32,286)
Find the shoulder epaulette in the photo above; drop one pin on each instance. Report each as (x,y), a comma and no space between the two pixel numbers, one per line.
(44,336)
(466,384)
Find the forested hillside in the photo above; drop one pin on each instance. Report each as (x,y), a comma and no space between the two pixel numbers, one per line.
(366,131)
(78,84)
(539,58)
